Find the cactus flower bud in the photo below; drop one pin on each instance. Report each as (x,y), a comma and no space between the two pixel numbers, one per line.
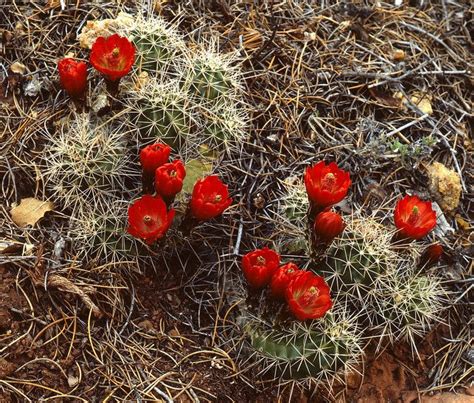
(432,254)
(73,76)
(154,156)
(328,225)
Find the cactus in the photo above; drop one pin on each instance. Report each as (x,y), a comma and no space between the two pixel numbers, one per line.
(161,112)
(316,351)
(365,270)
(212,75)
(224,124)
(157,44)
(359,258)
(86,161)
(100,233)
(291,222)
(406,305)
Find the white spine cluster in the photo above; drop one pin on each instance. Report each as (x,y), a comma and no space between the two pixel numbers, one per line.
(87,162)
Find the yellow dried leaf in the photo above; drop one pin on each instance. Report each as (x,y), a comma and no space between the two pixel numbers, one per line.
(462,222)
(18,68)
(423,102)
(30,211)
(444,185)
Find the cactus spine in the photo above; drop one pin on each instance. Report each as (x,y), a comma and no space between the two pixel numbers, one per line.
(157,44)
(380,280)
(86,161)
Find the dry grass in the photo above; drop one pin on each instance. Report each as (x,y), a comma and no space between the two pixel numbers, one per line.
(322,82)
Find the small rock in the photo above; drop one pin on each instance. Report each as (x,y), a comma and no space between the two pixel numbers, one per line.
(399,55)
(93,29)
(444,186)
(72,381)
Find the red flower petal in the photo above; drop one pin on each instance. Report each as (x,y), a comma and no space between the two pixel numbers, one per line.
(148,218)
(326,184)
(308,296)
(258,266)
(210,198)
(413,217)
(113,56)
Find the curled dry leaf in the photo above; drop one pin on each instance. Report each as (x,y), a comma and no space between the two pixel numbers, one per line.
(30,211)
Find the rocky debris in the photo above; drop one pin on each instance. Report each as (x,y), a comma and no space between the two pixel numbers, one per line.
(444,186)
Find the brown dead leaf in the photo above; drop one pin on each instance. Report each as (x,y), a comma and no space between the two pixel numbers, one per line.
(30,211)
(398,55)
(385,99)
(462,222)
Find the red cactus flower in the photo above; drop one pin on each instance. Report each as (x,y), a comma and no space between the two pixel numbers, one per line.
(258,266)
(414,217)
(210,198)
(169,178)
(113,56)
(328,225)
(73,76)
(153,156)
(326,184)
(282,277)
(148,218)
(308,296)
(433,253)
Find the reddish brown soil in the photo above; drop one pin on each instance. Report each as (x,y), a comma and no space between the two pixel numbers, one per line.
(389,377)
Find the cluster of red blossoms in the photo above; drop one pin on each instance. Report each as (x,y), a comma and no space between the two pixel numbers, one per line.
(327,185)
(149,217)
(307,295)
(113,57)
